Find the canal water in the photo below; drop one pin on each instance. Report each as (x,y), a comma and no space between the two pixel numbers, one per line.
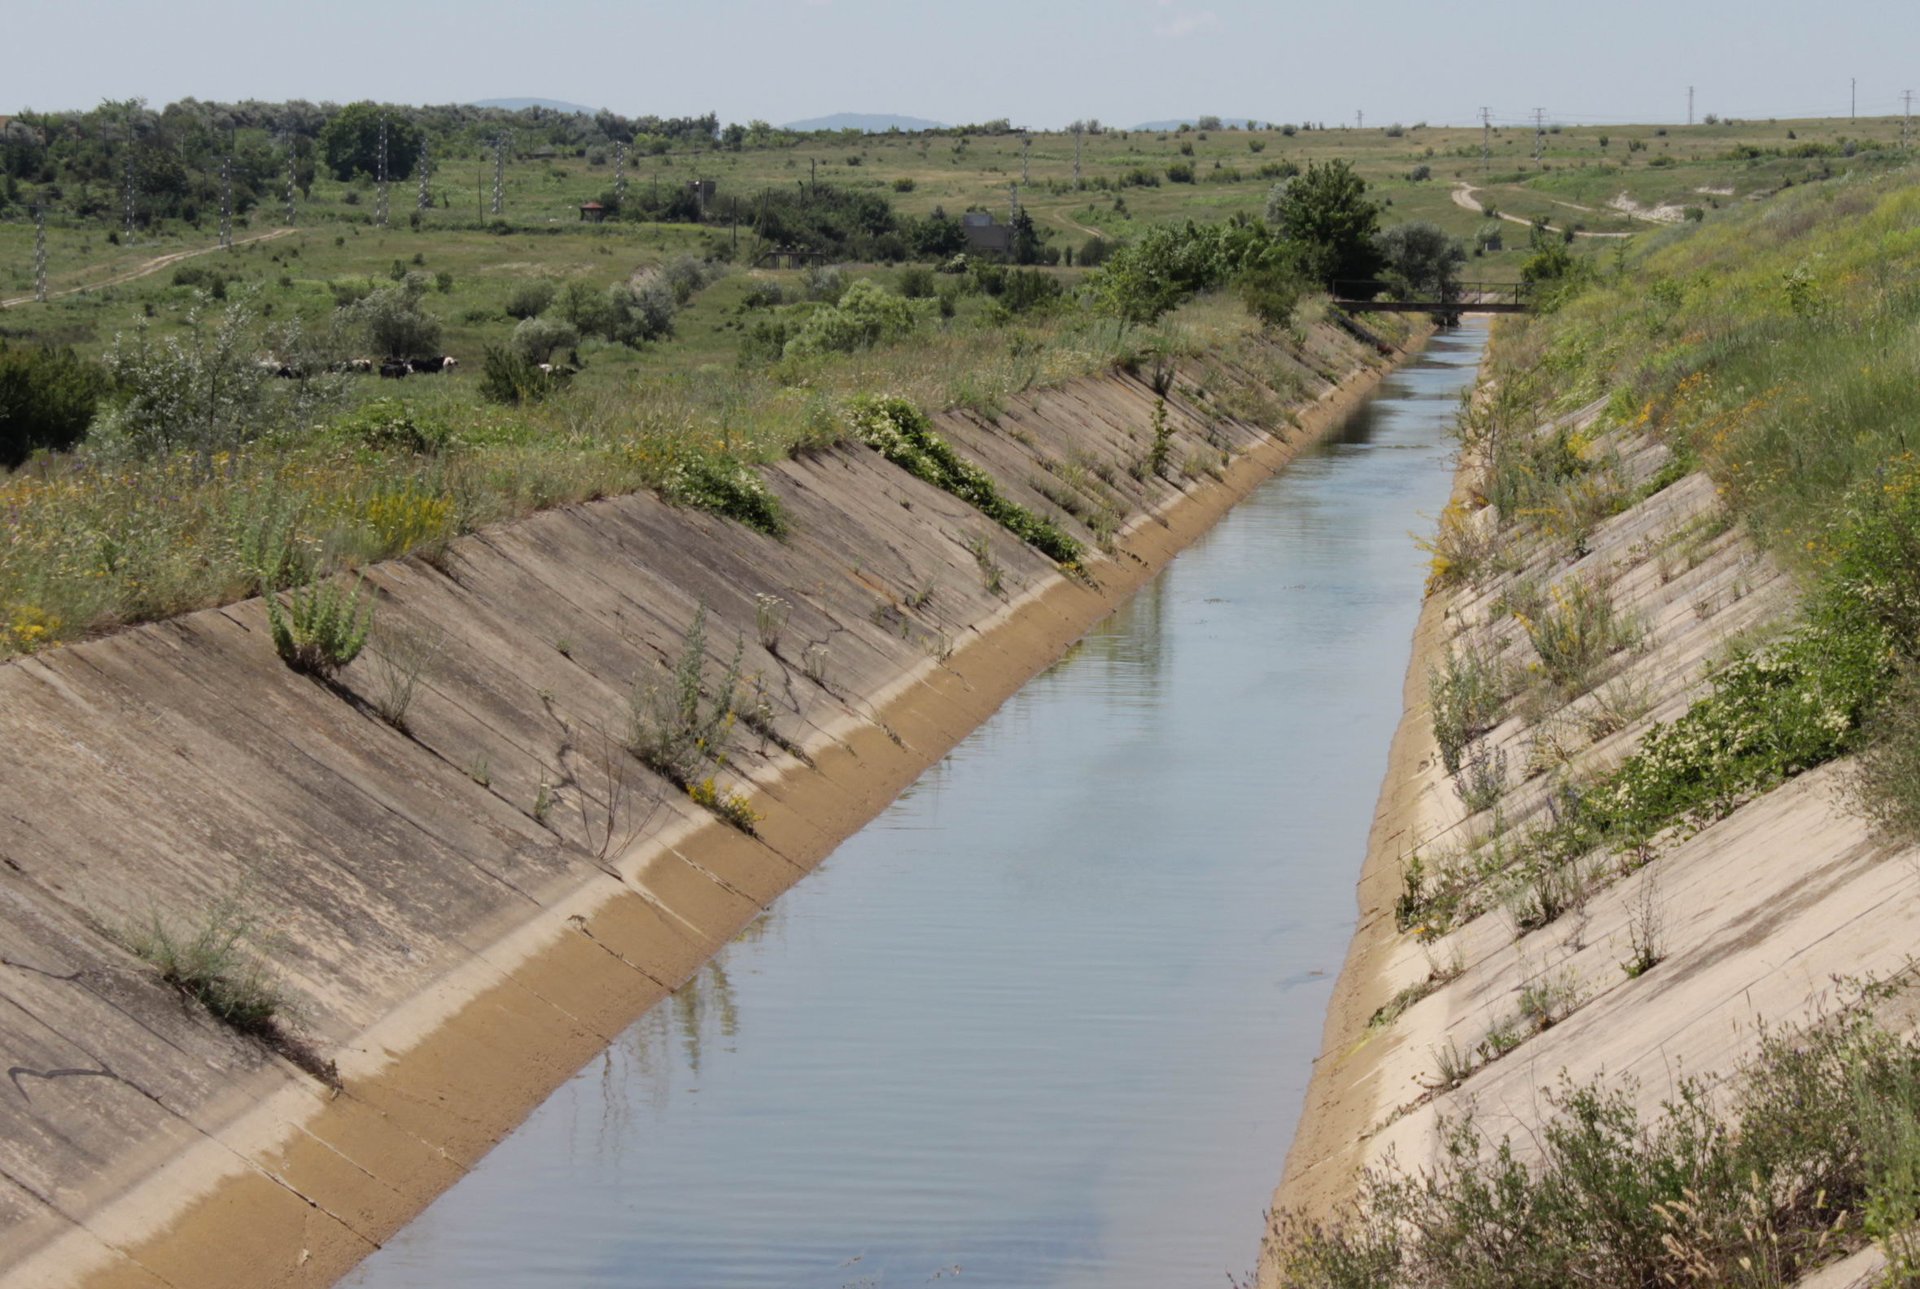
(1048,1020)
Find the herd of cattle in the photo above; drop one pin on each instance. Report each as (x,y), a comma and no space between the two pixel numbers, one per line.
(391,368)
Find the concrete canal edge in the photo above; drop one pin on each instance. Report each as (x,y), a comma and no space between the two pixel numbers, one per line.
(457,951)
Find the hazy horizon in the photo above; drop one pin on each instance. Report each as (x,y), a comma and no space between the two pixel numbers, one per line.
(1140,60)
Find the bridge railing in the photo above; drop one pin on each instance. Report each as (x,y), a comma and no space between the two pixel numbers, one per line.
(1464,295)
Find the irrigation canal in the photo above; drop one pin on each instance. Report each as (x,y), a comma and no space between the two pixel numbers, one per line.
(1047,1021)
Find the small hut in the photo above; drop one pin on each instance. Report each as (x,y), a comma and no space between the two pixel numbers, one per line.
(593,212)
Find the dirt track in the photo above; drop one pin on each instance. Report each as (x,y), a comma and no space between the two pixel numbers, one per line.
(149,267)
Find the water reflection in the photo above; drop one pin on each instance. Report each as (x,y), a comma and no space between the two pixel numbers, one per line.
(1047,1021)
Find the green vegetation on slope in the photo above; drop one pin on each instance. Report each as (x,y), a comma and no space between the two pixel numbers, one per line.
(1778,350)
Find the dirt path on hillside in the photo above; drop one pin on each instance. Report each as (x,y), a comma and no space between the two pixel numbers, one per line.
(149,267)
(1463,197)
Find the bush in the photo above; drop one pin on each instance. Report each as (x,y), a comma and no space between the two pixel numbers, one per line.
(537,339)
(512,379)
(214,966)
(867,314)
(47,400)
(319,628)
(1180,172)
(673,727)
(200,390)
(202,277)
(1817,1130)
(396,325)
(1271,293)
(389,425)
(902,434)
(1576,631)
(531,299)
(726,487)
(1464,694)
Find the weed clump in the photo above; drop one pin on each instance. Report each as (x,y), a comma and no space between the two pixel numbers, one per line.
(1822,1159)
(319,628)
(902,434)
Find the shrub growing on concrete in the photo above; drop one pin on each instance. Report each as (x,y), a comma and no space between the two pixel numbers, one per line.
(319,628)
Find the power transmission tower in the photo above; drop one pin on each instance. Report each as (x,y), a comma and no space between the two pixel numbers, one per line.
(1079,132)
(1026,146)
(380,213)
(1853,98)
(129,174)
(499,173)
(1689,105)
(1486,138)
(1359,120)
(619,174)
(424,160)
(40,254)
(1539,134)
(226,202)
(1906,118)
(292,166)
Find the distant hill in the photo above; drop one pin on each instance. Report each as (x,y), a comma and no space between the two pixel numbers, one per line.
(520,104)
(871,122)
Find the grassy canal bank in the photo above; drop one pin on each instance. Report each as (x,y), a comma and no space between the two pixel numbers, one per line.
(1631,998)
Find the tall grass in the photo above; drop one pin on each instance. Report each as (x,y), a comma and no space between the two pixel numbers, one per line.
(88,543)
(1823,1159)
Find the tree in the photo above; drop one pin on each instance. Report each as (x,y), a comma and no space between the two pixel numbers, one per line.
(350,143)
(397,327)
(1326,214)
(1422,261)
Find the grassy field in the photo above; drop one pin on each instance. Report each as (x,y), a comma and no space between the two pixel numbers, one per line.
(92,542)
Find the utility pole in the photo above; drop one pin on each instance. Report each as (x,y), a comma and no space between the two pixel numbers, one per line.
(40,254)
(1486,138)
(381,213)
(1079,132)
(1539,134)
(1689,105)
(499,173)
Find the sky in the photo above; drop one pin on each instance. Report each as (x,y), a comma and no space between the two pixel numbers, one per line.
(1041,63)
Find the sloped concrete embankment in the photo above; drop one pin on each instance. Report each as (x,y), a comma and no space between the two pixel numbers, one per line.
(1757,914)
(465,912)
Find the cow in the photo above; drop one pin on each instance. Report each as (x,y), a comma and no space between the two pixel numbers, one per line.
(429,366)
(394,368)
